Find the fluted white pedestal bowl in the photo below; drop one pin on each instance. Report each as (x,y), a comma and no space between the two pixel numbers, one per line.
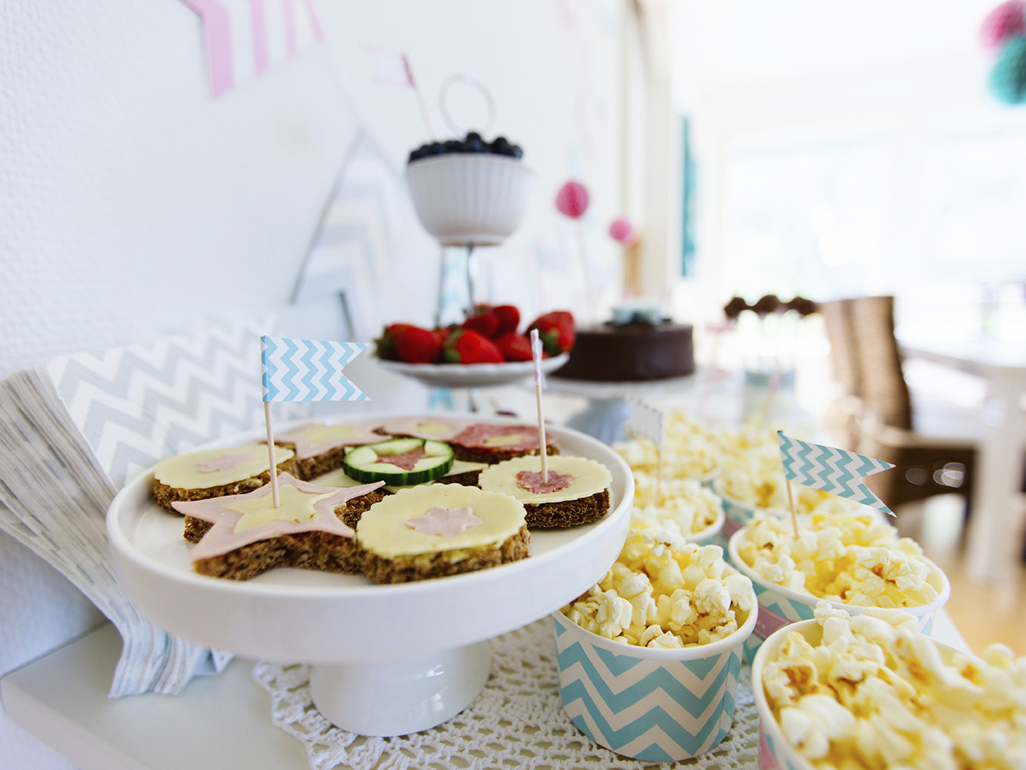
(469,199)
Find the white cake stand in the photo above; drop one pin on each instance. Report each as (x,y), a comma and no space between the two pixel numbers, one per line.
(471,375)
(386,660)
(607,408)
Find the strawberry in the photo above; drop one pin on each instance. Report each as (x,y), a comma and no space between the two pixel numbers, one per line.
(557,331)
(514,347)
(386,342)
(466,346)
(483,323)
(415,345)
(509,318)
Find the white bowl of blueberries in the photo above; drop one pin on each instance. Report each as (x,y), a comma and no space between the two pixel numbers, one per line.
(469,192)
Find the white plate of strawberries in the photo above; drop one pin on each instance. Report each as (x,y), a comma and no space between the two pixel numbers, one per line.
(485,350)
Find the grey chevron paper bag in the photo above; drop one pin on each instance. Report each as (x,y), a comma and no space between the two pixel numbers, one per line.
(75,429)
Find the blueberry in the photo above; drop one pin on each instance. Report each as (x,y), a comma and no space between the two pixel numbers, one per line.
(473,143)
(435,148)
(453,145)
(516,152)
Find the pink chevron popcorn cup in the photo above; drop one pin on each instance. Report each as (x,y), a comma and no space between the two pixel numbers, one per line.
(654,705)
(914,702)
(872,577)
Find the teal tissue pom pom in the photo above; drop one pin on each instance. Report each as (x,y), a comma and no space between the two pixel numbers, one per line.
(1008,78)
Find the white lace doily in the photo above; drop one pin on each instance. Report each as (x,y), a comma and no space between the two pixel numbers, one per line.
(516,721)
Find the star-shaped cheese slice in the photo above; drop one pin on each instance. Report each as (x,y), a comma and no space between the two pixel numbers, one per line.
(243,519)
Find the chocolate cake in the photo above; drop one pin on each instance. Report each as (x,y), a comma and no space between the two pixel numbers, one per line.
(631,352)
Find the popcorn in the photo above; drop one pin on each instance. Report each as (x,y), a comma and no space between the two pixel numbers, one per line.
(850,558)
(875,693)
(748,458)
(683,501)
(664,592)
(689,450)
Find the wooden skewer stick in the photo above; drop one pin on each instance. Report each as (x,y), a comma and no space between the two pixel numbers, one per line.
(794,512)
(270,455)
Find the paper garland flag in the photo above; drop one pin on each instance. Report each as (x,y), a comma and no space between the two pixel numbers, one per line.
(645,421)
(246,38)
(832,470)
(308,370)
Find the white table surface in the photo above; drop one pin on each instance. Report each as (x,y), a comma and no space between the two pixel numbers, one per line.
(994,544)
(218,722)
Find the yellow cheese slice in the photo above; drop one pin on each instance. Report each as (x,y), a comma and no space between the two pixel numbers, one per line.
(184,471)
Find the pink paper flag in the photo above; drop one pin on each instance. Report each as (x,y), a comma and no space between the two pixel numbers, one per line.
(536,355)
(390,67)
(245,38)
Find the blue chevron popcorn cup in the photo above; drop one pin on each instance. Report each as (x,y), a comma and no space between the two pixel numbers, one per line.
(780,606)
(649,704)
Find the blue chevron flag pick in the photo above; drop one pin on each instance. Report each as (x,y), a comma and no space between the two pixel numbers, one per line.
(308,370)
(832,470)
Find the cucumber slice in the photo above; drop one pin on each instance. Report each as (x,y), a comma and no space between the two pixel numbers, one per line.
(370,462)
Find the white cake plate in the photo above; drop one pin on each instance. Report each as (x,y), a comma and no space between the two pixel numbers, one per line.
(471,375)
(386,660)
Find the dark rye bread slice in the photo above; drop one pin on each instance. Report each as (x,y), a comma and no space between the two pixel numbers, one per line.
(405,569)
(311,467)
(350,514)
(468,479)
(492,455)
(165,495)
(305,550)
(568,513)
(322,551)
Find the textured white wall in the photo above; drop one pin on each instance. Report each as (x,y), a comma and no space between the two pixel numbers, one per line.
(132,205)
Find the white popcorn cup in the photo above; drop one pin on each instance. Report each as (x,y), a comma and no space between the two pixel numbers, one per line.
(706,479)
(648,704)
(711,534)
(738,513)
(780,606)
(775,752)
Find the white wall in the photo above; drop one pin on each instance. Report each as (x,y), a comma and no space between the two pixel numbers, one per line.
(132,204)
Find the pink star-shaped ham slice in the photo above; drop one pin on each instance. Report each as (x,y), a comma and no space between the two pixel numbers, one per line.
(222,463)
(447,522)
(315,504)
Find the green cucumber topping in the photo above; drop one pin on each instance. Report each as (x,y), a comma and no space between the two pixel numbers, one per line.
(399,462)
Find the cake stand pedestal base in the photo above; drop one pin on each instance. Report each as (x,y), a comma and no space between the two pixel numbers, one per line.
(603,419)
(400,696)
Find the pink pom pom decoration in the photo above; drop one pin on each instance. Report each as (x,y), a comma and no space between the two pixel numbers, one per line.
(1006,21)
(622,230)
(572,200)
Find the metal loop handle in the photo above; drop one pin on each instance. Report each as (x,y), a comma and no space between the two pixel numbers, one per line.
(473,82)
